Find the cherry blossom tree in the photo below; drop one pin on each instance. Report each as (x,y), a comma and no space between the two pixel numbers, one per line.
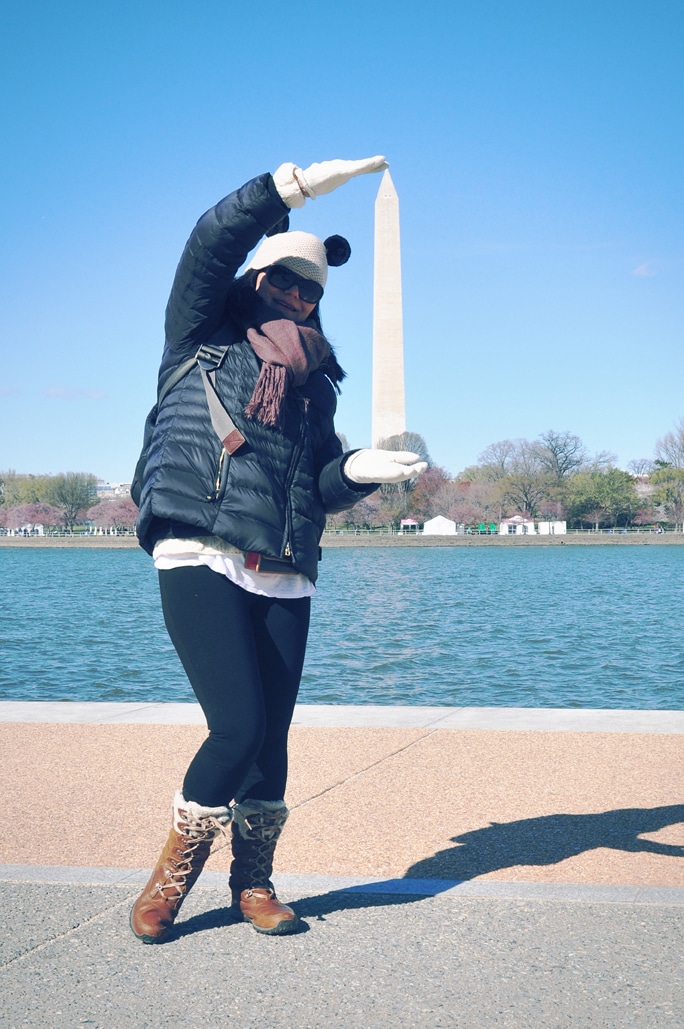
(119,514)
(32,515)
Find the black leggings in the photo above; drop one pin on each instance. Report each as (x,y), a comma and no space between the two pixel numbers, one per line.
(243,654)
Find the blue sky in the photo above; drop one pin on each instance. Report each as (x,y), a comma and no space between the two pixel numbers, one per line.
(536,146)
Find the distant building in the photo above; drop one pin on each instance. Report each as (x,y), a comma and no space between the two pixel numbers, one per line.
(108,490)
(408,525)
(520,526)
(439,526)
(517,526)
(552,528)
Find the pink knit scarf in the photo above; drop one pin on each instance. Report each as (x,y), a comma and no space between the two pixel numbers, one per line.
(289,354)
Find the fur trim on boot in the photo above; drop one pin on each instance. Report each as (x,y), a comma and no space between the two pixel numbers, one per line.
(180,863)
(257,825)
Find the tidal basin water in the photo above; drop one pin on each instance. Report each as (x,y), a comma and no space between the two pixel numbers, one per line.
(597,627)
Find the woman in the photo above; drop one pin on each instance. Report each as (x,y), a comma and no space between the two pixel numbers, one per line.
(242,465)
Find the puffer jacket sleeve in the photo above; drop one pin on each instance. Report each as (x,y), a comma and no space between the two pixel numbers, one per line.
(337,492)
(218,246)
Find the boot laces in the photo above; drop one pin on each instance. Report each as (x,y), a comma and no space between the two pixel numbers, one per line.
(194,832)
(199,829)
(265,827)
(176,879)
(253,852)
(251,890)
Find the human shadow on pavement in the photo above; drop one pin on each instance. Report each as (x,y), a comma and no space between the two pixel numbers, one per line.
(530,841)
(546,840)
(216,918)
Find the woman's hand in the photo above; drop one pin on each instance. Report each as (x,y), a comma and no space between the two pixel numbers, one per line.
(366,466)
(296,185)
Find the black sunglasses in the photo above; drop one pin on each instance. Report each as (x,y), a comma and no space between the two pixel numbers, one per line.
(282,278)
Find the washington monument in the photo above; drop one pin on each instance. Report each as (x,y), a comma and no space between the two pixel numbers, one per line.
(389,408)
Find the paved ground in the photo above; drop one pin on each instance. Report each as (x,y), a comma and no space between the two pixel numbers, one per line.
(464,867)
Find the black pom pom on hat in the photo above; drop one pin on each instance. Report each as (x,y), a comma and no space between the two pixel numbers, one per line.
(337,250)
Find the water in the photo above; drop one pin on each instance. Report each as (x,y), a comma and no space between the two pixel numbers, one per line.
(554,627)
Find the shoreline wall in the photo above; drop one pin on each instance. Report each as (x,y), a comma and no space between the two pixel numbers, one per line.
(333,541)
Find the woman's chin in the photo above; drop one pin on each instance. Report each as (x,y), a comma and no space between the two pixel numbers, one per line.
(292,316)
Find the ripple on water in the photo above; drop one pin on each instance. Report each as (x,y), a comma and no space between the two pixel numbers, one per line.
(565,627)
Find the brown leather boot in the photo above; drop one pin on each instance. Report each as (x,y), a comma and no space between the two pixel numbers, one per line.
(180,863)
(257,825)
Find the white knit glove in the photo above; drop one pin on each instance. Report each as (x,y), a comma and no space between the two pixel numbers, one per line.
(366,466)
(296,185)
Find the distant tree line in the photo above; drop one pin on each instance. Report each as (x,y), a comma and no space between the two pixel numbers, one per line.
(61,501)
(551,478)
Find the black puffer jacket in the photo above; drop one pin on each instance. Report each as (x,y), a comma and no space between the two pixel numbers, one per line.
(272,495)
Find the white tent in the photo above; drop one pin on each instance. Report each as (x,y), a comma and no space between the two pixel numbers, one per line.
(439,526)
(517,526)
(552,528)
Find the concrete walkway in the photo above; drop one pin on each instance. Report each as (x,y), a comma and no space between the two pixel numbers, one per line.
(454,867)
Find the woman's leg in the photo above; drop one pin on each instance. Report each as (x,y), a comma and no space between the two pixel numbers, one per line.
(260,813)
(243,655)
(280,631)
(208,620)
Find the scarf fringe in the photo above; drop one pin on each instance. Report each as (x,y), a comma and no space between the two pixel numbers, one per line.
(266,400)
(289,354)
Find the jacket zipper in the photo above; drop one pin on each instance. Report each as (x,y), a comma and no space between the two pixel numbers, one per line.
(287,551)
(219,474)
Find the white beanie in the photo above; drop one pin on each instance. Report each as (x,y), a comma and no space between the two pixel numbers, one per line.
(301,252)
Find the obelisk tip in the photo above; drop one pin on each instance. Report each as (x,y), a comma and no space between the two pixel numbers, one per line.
(386,188)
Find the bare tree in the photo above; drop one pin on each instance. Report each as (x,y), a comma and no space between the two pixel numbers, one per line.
(561,454)
(527,481)
(496,459)
(415,444)
(670,448)
(411,441)
(422,503)
(602,462)
(368,513)
(470,502)
(640,466)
